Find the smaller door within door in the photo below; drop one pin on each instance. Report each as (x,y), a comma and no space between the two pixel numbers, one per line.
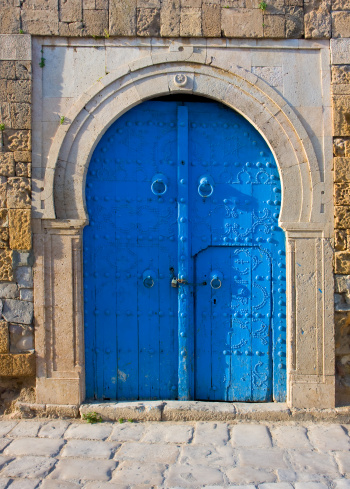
(232,324)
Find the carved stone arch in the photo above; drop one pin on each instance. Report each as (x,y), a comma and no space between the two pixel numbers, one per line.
(310,351)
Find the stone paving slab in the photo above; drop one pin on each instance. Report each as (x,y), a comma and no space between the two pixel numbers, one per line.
(59,454)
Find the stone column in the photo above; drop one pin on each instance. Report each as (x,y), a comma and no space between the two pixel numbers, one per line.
(310,323)
(59,311)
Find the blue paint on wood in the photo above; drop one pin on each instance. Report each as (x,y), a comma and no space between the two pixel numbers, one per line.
(187,191)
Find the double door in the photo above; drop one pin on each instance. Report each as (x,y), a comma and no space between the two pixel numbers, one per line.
(184,262)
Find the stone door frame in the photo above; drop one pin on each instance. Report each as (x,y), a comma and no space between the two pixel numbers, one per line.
(307,224)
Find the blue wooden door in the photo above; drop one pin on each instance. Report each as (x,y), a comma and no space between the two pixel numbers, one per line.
(184,262)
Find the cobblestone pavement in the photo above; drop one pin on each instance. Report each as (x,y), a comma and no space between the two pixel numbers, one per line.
(71,454)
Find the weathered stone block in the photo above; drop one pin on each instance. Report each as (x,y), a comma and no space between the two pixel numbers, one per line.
(19,90)
(24,277)
(342,217)
(242,22)
(20,229)
(340,241)
(341,194)
(70,10)
(101,4)
(5,112)
(340,24)
(274,26)
(342,262)
(23,258)
(317,19)
(21,116)
(122,18)
(23,170)
(71,29)
(341,5)
(7,165)
(15,311)
(17,140)
(23,70)
(170,18)
(4,238)
(148,22)
(294,22)
(341,74)
(6,272)
(37,22)
(342,333)
(3,191)
(95,22)
(18,193)
(10,20)
(21,338)
(27,295)
(8,70)
(341,170)
(24,365)
(22,156)
(4,220)
(4,337)
(191,22)
(8,291)
(341,115)
(211,20)
(340,51)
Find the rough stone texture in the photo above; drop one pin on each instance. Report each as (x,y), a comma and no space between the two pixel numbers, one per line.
(20,116)
(17,140)
(169,18)
(83,469)
(4,337)
(21,338)
(342,194)
(342,262)
(242,22)
(148,22)
(95,22)
(341,24)
(294,22)
(191,22)
(16,311)
(342,217)
(122,18)
(274,26)
(20,229)
(211,20)
(18,193)
(342,169)
(7,165)
(317,19)
(341,74)
(341,115)
(6,272)
(20,365)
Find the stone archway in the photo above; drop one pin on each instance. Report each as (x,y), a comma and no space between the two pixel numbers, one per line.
(58,304)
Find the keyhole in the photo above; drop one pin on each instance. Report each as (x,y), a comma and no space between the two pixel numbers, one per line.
(214,301)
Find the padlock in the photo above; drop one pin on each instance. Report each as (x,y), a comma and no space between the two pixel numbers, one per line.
(174,282)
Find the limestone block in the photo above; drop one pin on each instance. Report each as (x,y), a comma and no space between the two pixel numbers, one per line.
(70,10)
(19,90)
(95,22)
(6,272)
(342,169)
(7,165)
(342,262)
(17,140)
(8,291)
(8,70)
(15,47)
(340,24)
(274,26)
(3,91)
(273,75)
(20,229)
(15,311)
(341,115)
(340,51)
(122,18)
(71,29)
(242,22)
(148,22)
(342,333)
(23,169)
(339,147)
(18,193)
(20,365)
(4,238)
(10,20)
(340,241)
(342,217)
(4,337)
(21,116)
(211,20)
(37,22)
(170,18)
(5,112)
(3,191)
(191,22)
(24,277)
(341,5)
(23,258)
(101,4)
(317,19)
(4,218)
(23,70)
(21,338)
(341,74)
(294,22)
(341,194)
(27,295)
(23,156)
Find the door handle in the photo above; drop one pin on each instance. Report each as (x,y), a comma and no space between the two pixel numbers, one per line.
(175,282)
(206,186)
(148,279)
(159,184)
(216,280)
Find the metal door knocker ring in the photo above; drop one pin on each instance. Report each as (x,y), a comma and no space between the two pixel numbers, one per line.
(148,279)
(159,184)
(206,186)
(216,280)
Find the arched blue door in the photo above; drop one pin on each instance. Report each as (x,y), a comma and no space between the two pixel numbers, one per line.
(184,262)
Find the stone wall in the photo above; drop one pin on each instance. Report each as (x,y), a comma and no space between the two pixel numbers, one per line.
(16,281)
(173,18)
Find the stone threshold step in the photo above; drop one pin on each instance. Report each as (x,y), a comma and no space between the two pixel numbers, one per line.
(186,411)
